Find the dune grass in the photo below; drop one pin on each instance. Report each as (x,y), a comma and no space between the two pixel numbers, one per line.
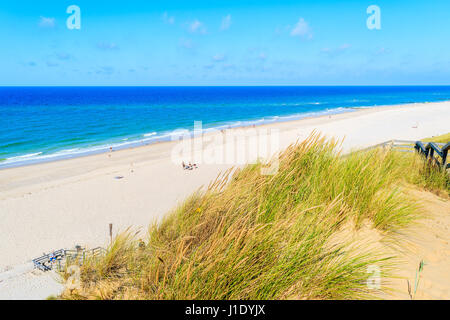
(426,175)
(253,236)
(439,139)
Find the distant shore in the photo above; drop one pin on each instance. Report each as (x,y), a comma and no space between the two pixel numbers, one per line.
(64,203)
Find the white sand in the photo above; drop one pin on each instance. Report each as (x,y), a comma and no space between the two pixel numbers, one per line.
(429,241)
(60,204)
(426,240)
(23,282)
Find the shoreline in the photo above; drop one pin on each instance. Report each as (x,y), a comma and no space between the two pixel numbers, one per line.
(138,154)
(166,136)
(60,204)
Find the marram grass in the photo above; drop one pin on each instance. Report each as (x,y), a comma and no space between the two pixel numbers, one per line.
(253,236)
(440,139)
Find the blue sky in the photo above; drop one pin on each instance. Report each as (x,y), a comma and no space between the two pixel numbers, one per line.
(225,43)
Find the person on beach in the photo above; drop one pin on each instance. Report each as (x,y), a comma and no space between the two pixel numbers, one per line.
(193,165)
(190,166)
(187,167)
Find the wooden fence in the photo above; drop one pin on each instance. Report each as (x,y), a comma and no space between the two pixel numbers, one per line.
(432,151)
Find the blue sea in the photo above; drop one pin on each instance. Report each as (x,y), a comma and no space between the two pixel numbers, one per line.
(49,123)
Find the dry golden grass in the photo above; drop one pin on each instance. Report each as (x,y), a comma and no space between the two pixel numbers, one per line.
(253,236)
(442,138)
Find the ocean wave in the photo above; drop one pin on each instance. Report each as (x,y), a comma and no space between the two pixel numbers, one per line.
(152,137)
(363,107)
(358,100)
(29,155)
(315,103)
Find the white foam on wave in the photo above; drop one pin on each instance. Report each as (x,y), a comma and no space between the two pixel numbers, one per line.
(151,137)
(29,155)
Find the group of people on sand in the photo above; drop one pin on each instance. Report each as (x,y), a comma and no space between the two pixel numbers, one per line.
(189,166)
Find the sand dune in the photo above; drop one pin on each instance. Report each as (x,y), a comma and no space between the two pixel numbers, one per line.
(427,242)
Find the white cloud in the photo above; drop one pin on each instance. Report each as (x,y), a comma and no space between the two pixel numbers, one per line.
(51,64)
(336,51)
(107,45)
(302,29)
(197,26)
(45,22)
(186,43)
(226,22)
(382,51)
(219,57)
(168,19)
(229,66)
(107,70)
(63,56)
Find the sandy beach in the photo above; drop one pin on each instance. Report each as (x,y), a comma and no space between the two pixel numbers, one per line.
(48,206)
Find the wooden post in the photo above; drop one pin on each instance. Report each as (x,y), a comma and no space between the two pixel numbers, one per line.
(110,232)
(431,155)
(444,158)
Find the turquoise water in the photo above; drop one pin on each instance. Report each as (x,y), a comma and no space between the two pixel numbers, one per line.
(48,123)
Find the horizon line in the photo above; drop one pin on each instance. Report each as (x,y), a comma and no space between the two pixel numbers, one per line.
(212,86)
